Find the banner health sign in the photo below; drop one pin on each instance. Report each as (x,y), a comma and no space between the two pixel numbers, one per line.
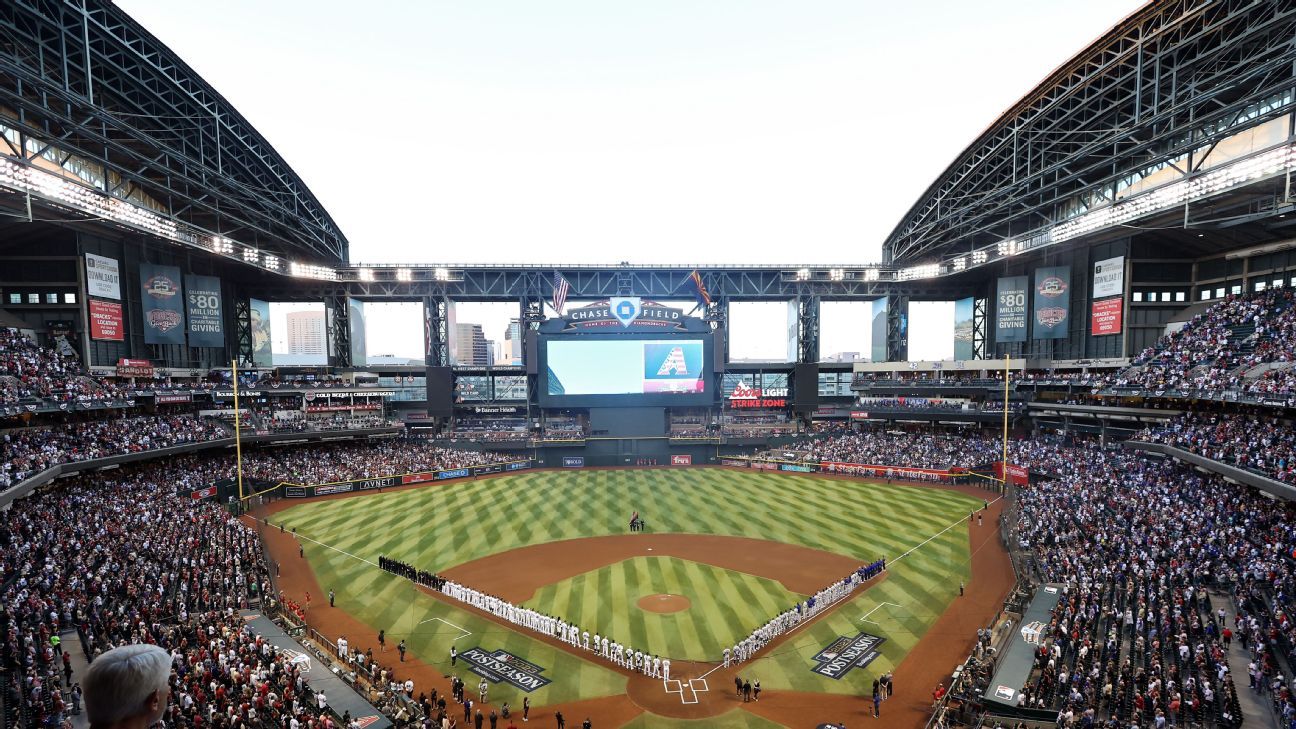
(1010,310)
(500,666)
(203,306)
(1052,302)
(163,302)
(846,653)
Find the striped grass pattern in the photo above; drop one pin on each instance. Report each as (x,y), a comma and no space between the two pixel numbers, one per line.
(725,605)
(437,527)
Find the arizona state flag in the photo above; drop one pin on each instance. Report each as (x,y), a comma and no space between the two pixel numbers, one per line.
(699,289)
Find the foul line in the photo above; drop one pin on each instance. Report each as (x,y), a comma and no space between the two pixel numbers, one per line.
(928,539)
(875,609)
(335,549)
(460,628)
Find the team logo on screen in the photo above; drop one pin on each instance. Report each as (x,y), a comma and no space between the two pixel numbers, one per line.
(674,364)
(625,309)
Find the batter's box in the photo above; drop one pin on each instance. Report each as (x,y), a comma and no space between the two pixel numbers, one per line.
(689,696)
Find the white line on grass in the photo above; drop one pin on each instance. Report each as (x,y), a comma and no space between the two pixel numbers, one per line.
(460,628)
(875,609)
(335,549)
(928,539)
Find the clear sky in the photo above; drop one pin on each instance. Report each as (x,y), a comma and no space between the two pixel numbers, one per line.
(725,131)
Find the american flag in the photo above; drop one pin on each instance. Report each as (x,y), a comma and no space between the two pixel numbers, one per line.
(561,287)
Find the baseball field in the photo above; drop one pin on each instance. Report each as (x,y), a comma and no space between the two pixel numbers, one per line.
(725,550)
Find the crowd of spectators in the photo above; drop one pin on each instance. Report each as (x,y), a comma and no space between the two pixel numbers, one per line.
(30,371)
(936,404)
(940,378)
(350,461)
(1148,550)
(913,450)
(1215,350)
(491,429)
(121,559)
(1260,443)
(28,451)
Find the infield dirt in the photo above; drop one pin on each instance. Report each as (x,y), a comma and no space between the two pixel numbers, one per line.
(944,646)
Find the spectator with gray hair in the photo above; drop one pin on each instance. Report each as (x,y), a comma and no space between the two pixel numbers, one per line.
(127,687)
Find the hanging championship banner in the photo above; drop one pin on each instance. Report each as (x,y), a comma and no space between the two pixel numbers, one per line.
(1010,310)
(204,311)
(1052,302)
(103,277)
(162,299)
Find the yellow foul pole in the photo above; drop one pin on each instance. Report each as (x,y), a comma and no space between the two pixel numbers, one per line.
(1007,374)
(238,442)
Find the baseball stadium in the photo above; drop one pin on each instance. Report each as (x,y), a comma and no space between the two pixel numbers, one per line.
(223,509)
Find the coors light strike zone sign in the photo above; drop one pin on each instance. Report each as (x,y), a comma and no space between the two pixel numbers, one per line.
(746,396)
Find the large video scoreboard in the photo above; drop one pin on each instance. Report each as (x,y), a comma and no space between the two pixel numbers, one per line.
(625,369)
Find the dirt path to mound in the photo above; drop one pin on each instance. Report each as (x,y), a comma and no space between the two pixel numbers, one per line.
(931,661)
(515,575)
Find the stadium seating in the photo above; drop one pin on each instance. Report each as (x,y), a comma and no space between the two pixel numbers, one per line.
(1260,443)
(912,450)
(116,558)
(29,451)
(1221,348)
(1145,547)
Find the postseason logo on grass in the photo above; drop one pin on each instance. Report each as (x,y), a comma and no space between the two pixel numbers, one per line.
(501,666)
(846,653)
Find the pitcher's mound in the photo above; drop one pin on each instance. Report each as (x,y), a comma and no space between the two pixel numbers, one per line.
(664,603)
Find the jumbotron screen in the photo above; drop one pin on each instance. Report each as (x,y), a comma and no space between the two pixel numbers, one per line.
(625,370)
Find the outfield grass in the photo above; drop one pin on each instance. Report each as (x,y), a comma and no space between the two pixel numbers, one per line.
(438,527)
(725,605)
